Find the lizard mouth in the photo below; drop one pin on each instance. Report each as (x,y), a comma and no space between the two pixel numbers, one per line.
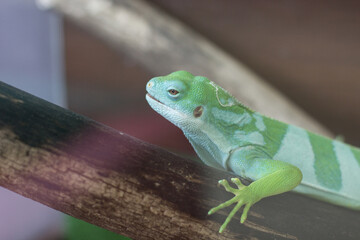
(153,98)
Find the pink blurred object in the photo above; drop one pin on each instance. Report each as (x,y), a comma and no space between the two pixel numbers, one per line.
(150,127)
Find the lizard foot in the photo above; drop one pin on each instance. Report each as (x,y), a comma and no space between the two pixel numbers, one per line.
(243,197)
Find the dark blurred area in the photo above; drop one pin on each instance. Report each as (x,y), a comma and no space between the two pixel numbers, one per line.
(109,87)
(308,50)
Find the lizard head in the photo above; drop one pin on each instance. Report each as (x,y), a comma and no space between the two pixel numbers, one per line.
(185,99)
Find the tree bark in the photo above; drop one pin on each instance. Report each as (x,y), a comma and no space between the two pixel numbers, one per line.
(92,172)
(163,45)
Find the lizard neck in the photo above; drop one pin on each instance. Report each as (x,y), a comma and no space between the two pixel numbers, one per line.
(223,131)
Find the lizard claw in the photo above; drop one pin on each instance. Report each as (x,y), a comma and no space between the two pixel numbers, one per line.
(243,196)
(238,183)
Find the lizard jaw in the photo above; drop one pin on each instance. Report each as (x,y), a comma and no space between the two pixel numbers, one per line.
(150,96)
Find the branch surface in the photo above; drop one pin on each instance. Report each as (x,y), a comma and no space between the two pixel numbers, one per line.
(92,172)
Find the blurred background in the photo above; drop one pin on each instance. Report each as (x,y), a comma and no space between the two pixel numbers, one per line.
(309,51)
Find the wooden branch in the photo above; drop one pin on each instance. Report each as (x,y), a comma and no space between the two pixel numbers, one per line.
(163,44)
(95,173)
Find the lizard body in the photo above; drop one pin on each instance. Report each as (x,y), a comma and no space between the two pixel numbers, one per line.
(276,156)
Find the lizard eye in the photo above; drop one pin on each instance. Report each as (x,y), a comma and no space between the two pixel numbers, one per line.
(173,92)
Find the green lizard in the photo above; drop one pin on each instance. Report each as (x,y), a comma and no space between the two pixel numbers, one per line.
(276,156)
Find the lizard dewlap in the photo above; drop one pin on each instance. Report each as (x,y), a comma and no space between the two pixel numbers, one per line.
(277,157)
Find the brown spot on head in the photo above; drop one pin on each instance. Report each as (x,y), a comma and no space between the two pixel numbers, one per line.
(198,111)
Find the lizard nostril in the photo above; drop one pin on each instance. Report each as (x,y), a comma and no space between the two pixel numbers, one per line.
(150,84)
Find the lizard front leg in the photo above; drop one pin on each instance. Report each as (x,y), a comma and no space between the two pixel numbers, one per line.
(273,177)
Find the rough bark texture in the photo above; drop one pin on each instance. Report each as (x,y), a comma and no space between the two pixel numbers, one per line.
(162,44)
(95,173)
